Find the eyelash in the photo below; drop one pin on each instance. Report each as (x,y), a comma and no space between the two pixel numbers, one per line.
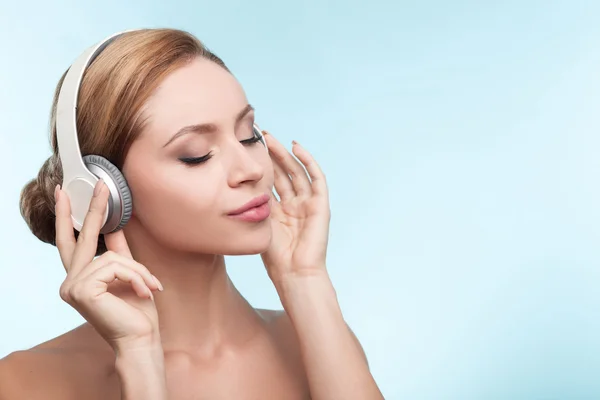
(200,160)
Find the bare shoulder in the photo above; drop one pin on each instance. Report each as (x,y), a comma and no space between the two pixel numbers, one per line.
(283,330)
(282,333)
(62,368)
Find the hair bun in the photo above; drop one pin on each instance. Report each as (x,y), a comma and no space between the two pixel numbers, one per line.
(37,201)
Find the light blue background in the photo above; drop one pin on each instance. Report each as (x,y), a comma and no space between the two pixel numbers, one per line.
(460,140)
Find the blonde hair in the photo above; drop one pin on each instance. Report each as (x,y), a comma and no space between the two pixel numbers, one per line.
(113,92)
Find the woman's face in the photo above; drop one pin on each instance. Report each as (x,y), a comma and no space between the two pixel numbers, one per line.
(195,164)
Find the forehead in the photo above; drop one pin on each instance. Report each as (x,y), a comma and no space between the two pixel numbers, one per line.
(198,92)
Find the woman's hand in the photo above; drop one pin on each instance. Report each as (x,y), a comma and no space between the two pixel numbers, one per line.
(300,219)
(335,362)
(112,292)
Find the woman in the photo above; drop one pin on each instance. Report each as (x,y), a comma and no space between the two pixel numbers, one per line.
(164,321)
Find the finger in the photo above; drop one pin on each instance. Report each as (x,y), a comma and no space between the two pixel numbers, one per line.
(291,166)
(97,283)
(65,237)
(87,241)
(117,242)
(275,205)
(317,177)
(111,257)
(283,182)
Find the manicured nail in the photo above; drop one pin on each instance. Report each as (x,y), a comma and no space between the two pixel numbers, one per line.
(98,187)
(56,189)
(160,286)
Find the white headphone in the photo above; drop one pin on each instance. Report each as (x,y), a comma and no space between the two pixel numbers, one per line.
(80,174)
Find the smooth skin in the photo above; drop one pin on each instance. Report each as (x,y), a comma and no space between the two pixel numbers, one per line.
(163,319)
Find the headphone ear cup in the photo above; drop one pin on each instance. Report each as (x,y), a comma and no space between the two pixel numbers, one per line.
(120,204)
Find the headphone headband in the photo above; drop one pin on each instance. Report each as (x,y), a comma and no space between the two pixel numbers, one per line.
(66,112)
(78,179)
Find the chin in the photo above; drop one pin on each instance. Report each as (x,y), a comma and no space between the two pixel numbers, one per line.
(257,243)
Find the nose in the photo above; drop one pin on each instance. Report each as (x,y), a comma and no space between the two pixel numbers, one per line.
(245,165)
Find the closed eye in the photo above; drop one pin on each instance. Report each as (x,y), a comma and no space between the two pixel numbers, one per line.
(252,140)
(196,160)
(203,159)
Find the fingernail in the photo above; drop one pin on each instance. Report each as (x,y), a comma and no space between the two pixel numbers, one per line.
(294,142)
(160,286)
(56,193)
(98,187)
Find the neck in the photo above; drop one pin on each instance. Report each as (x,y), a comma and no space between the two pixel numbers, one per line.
(200,310)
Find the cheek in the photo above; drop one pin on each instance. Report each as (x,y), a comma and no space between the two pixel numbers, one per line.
(175,204)
(269,174)
(175,198)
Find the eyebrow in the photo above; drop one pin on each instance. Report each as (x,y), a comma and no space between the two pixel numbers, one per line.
(208,127)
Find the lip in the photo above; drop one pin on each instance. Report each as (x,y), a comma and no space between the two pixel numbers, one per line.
(255,210)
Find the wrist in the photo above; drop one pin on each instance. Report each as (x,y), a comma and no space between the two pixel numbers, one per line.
(148,359)
(138,345)
(139,352)
(299,292)
(294,279)
(141,372)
